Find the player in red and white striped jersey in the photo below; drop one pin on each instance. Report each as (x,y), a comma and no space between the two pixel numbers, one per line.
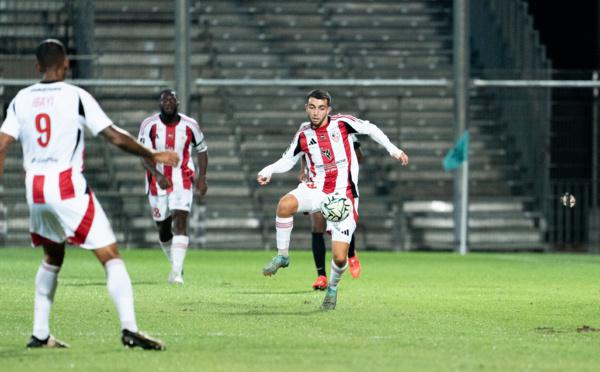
(319,225)
(170,188)
(49,119)
(333,169)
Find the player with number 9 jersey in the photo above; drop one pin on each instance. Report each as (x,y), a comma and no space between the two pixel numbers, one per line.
(49,120)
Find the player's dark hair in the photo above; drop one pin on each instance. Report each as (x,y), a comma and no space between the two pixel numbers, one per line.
(50,53)
(319,94)
(167,90)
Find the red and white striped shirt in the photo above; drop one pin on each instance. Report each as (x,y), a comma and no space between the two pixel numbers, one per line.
(180,137)
(329,153)
(49,119)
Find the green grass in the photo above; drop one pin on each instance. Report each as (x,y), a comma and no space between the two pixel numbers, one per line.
(407,312)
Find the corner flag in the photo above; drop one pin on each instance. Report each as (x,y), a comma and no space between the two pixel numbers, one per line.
(458,154)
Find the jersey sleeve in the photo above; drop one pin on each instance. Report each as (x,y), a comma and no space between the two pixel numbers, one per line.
(355,141)
(144,134)
(11,125)
(199,142)
(355,125)
(94,117)
(288,159)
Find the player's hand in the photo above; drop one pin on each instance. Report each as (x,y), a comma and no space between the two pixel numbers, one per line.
(262,180)
(166,157)
(163,181)
(201,188)
(401,155)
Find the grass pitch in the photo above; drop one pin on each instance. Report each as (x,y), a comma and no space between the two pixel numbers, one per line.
(407,312)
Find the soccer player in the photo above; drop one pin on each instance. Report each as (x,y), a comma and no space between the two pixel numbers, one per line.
(49,119)
(318,224)
(170,188)
(333,168)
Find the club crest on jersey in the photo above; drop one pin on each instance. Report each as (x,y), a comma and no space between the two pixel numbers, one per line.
(322,137)
(335,136)
(326,153)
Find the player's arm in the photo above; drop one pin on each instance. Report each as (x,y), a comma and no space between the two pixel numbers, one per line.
(359,154)
(126,142)
(201,185)
(201,148)
(364,127)
(162,181)
(302,174)
(9,134)
(5,141)
(285,163)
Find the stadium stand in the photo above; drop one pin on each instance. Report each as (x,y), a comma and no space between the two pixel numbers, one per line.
(248,127)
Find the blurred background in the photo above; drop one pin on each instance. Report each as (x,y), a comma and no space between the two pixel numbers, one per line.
(529,144)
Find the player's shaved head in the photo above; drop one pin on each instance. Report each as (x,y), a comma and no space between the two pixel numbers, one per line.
(168,91)
(50,53)
(319,94)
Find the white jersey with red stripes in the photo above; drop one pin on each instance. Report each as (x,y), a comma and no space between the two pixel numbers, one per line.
(180,137)
(49,119)
(329,152)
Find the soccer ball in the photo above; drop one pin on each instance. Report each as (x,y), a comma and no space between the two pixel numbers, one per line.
(336,208)
(568,200)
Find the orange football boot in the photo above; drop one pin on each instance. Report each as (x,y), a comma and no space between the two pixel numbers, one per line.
(320,283)
(354,264)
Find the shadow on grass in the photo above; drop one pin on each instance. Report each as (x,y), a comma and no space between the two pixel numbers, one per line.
(276,313)
(102,284)
(273,292)
(24,354)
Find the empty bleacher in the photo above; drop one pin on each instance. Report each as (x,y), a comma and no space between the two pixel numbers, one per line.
(248,127)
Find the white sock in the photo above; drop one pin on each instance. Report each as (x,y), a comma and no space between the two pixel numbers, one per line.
(46,281)
(178,251)
(283,232)
(336,274)
(119,288)
(166,247)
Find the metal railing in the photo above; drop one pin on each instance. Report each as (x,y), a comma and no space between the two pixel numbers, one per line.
(504,39)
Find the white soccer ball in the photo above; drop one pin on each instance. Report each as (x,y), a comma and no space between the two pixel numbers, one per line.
(336,208)
(568,200)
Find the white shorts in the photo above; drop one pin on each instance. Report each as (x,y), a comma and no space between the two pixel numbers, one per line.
(79,221)
(162,205)
(309,200)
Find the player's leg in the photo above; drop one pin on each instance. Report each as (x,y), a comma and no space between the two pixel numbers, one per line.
(341,235)
(165,236)
(284,223)
(339,264)
(118,284)
(318,249)
(120,289)
(46,231)
(352,248)
(353,262)
(46,281)
(86,225)
(162,218)
(180,244)
(179,204)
